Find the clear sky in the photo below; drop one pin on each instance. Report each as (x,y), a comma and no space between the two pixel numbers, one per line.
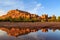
(39,7)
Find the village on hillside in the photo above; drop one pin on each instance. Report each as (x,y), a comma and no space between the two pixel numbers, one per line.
(23,16)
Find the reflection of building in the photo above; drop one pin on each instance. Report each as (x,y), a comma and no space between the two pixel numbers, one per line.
(44,30)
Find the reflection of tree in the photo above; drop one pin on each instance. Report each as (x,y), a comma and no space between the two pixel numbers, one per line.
(53,30)
(44,30)
(21,31)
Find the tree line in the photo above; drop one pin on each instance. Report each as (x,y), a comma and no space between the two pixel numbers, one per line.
(20,19)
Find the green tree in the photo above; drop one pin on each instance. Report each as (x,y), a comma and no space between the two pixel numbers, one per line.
(8,19)
(53,18)
(34,19)
(1,19)
(58,19)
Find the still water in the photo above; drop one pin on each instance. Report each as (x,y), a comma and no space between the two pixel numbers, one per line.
(42,34)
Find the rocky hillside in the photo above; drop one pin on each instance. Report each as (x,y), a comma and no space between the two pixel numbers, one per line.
(18,13)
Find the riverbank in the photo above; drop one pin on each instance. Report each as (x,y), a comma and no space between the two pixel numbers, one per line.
(30,24)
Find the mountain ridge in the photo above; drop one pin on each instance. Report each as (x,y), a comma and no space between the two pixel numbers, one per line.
(18,13)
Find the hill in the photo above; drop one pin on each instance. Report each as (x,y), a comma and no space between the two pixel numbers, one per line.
(19,14)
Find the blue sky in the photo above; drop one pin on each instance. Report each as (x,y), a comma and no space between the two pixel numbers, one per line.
(50,7)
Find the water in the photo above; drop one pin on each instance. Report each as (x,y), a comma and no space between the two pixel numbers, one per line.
(42,34)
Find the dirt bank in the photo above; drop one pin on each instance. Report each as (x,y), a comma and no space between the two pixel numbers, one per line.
(30,24)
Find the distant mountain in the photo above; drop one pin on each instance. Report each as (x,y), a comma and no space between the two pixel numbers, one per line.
(18,13)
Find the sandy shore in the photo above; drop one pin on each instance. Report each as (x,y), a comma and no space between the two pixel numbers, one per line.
(30,24)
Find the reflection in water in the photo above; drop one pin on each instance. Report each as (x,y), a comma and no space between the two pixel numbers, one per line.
(2,33)
(20,31)
(34,34)
(17,31)
(53,30)
(44,30)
